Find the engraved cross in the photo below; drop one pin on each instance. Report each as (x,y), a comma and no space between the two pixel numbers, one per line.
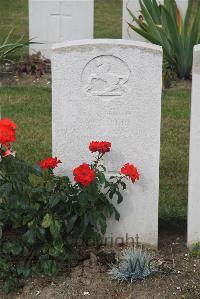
(61,16)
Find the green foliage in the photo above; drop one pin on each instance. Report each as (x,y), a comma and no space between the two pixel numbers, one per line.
(195,250)
(44,218)
(163,25)
(7,47)
(136,264)
(169,74)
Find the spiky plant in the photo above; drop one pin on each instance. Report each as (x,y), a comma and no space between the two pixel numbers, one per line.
(163,25)
(136,264)
(195,250)
(8,47)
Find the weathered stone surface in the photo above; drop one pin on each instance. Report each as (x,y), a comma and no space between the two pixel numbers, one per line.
(54,21)
(111,90)
(194,169)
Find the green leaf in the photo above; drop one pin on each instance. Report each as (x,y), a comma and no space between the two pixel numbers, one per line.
(120,197)
(102,223)
(29,236)
(145,34)
(41,232)
(103,167)
(72,219)
(111,194)
(37,170)
(106,184)
(24,270)
(55,228)
(117,215)
(14,247)
(5,189)
(47,221)
(123,185)
(152,26)
(53,201)
(1,229)
(49,267)
(10,284)
(4,267)
(83,200)
(101,177)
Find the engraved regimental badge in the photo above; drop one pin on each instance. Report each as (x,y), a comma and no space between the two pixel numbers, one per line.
(106,76)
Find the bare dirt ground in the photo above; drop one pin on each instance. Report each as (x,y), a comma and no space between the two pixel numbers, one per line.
(24,80)
(179,276)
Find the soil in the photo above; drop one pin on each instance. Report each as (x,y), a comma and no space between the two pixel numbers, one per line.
(9,79)
(178,276)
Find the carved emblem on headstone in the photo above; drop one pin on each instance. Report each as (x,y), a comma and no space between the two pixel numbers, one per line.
(106,76)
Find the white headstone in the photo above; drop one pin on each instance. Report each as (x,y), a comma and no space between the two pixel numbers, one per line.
(194,169)
(54,21)
(111,90)
(134,6)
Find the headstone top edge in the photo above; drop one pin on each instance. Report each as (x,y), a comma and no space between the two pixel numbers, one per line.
(59,47)
(197,48)
(60,0)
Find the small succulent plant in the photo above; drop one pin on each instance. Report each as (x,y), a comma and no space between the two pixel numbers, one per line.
(195,250)
(136,264)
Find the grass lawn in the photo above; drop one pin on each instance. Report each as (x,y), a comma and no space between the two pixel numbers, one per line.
(174,153)
(108,18)
(31,109)
(14,16)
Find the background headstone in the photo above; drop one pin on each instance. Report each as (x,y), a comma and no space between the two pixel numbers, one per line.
(111,90)
(194,169)
(134,6)
(54,21)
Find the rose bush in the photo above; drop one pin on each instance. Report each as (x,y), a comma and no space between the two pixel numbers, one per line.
(44,218)
(49,163)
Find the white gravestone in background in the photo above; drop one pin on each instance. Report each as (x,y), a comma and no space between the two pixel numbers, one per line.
(194,169)
(134,6)
(54,21)
(111,90)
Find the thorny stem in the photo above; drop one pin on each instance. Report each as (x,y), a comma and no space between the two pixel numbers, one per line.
(98,159)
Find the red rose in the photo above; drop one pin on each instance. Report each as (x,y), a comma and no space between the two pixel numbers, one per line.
(100,146)
(7,131)
(8,123)
(84,174)
(130,171)
(49,163)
